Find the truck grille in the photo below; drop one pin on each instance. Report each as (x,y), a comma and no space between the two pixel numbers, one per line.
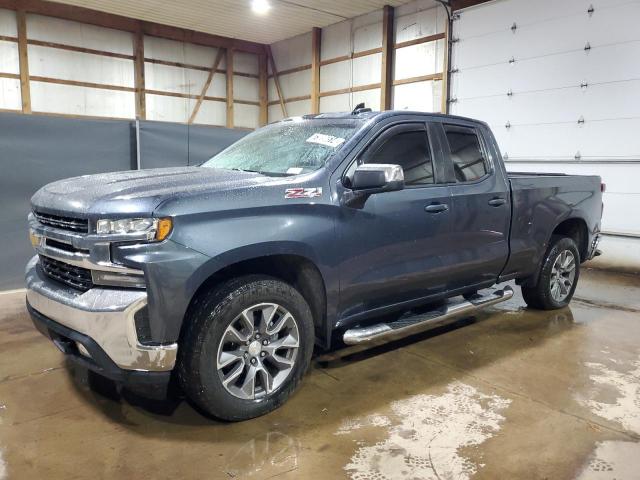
(76,277)
(80,225)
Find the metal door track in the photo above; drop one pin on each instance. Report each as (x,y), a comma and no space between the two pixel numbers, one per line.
(410,325)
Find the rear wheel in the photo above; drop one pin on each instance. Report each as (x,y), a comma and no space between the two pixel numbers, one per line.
(246,347)
(558,276)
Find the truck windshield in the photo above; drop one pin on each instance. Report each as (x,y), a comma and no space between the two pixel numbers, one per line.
(286,148)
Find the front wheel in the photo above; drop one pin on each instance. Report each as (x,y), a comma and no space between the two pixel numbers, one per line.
(558,277)
(246,347)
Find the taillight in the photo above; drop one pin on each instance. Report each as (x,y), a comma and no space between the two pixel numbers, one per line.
(603,187)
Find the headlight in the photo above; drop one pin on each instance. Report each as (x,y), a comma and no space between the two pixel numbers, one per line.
(158,228)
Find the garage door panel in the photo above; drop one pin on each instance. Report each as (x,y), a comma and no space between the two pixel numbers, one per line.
(533,40)
(500,15)
(600,65)
(597,102)
(594,139)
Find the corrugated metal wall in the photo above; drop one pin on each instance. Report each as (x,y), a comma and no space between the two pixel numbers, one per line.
(559,83)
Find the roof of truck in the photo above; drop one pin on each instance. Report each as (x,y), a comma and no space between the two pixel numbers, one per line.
(366,114)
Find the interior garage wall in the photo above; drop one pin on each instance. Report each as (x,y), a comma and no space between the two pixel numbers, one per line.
(351,63)
(559,83)
(78,69)
(36,150)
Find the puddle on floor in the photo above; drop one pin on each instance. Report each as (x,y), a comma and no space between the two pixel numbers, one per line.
(612,460)
(426,434)
(614,396)
(623,379)
(3,466)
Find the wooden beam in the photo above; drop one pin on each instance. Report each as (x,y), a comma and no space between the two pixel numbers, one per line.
(316,36)
(263,89)
(78,83)
(418,41)
(230,88)
(351,56)
(291,99)
(207,84)
(118,22)
(387,58)
(358,88)
(276,80)
(23,57)
(139,82)
(421,78)
(301,68)
(73,48)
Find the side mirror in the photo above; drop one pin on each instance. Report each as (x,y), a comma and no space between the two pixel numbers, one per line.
(377,178)
(371,178)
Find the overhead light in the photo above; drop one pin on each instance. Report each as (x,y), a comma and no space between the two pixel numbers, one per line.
(260,6)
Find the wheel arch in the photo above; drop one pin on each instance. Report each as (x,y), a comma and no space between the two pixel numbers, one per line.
(296,269)
(576,229)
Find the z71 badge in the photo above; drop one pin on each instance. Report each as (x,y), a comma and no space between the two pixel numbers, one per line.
(303,192)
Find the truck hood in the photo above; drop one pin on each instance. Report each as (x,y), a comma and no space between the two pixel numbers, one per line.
(136,193)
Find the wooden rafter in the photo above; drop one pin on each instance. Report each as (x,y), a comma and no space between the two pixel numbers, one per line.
(276,80)
(25,88)
(387,58)
(315,69)
(207,84)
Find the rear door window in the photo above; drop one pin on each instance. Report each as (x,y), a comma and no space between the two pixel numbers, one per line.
(467,154)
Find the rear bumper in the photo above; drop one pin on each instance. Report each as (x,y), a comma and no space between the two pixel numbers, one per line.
(593,248)
(101,318)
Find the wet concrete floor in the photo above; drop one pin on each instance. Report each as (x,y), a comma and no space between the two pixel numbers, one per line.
(508,394)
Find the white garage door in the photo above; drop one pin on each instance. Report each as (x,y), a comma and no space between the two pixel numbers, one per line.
(559,83)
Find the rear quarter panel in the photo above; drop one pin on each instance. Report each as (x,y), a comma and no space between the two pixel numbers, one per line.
(539,204)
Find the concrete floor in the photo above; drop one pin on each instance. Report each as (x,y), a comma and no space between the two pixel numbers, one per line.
(511,393)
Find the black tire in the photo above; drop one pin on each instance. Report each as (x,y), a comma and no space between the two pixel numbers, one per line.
(540,296)
(207,323)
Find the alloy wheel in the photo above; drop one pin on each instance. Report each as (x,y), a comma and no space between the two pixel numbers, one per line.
(258,351)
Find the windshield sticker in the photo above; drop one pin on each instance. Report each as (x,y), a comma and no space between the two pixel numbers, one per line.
(303,192)
(326,140)
(294,170)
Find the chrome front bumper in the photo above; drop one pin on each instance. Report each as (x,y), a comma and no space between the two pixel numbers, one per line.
(104,314)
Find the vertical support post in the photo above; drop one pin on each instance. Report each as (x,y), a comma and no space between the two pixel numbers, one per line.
(388,51)
(316,36)
(138,65)
(23,57)
(263,93)
(445,71)
(230,87)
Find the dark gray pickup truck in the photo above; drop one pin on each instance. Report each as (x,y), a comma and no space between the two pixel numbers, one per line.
(323,230)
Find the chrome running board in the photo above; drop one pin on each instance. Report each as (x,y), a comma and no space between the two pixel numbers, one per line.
(412,324)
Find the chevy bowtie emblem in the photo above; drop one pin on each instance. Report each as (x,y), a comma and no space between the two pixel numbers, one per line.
(303,192)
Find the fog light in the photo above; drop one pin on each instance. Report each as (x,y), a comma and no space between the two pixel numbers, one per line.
(100,277)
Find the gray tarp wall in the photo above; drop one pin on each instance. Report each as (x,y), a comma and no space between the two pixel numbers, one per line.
(36,150)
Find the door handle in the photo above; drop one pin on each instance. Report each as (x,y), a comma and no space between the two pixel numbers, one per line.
(436,208)
(496,202)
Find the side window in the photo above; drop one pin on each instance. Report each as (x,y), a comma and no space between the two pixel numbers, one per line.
(466,153)
(411,151)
